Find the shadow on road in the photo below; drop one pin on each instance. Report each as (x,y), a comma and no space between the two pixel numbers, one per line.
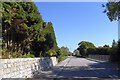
(100,71)
(97,70)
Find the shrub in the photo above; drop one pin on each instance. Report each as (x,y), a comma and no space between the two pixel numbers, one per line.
(29,56)
(5,54)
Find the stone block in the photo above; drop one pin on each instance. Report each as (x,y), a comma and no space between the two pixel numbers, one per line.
(8,61)
(5,71)
(21,67)
(8,70)
(17,68)
(4,60)
(11,69)
(1,72)
(12,74)
(9,65)
(1,77)
(4,76)
(5,66)
(8,75)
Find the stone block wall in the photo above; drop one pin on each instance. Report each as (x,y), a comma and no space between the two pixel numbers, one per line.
(100,57)
(25,67)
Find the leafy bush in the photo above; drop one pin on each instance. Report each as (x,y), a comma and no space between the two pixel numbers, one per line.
(16,55)
(61,58)
(29,56)
(77,55)
(5,54)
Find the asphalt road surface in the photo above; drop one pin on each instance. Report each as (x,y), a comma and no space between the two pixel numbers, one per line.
(73,67)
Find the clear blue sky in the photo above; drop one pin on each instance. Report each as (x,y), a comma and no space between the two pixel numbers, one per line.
(76,22)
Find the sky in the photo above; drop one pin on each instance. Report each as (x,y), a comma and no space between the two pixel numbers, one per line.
(74,22)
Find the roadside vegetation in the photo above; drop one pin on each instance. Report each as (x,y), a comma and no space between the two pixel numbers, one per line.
(87,48)
(25,34)
(112,10)
(63,53)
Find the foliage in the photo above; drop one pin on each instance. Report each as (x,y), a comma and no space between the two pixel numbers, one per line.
(65,51)
(5,54)
(17,23)
(25,32)
(29,56)
(92,51)
(62,53)
(76,53)
(61,58)
(84,46)
(118,51)
(112,10)
(114,52)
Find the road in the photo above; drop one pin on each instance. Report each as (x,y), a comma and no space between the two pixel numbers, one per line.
(74,67)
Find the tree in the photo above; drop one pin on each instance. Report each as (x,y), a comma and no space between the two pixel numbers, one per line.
(92,51)
(114,43)
(106,46)
(44,43)
(16,22)
(112,10)
(103,50)
(54,48)
(65,51)
(24,30)
(76,52)
(84,46)
(114,54)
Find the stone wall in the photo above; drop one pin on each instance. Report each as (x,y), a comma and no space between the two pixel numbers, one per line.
(100,57)
(25,67)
